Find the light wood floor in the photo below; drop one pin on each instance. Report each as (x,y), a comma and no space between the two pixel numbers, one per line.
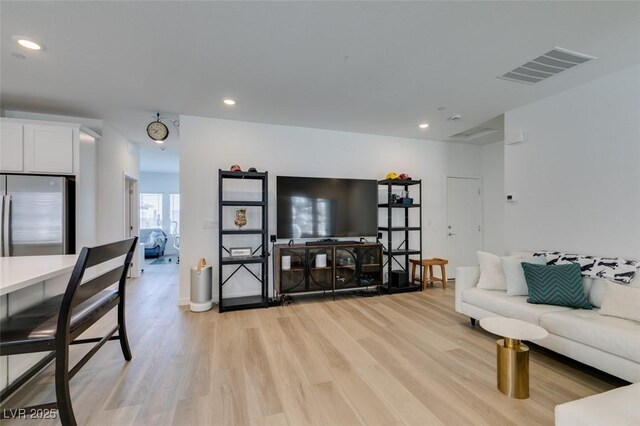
(389,360)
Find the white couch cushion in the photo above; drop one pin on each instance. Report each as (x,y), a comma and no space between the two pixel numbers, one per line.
(616,407)
(617,336)
(514,274)
(621,301)
(508,306)
(491,275)
(594,288)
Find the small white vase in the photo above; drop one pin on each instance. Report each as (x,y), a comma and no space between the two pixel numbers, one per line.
(286,263)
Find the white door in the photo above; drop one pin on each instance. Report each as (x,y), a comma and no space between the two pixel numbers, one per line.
(464,230)
(128,208)
(131,203)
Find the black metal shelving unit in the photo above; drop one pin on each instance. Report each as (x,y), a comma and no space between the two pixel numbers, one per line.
(259,256)
(393,251)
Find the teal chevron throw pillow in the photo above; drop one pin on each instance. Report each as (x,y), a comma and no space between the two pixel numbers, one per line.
(559,285)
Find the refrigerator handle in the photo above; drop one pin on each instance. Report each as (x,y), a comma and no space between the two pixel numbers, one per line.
(65,237)
(6,225)
(2,228)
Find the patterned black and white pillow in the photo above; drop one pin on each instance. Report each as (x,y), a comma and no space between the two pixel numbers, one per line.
(611,268)
(586,262)
(552,256)
(616,269)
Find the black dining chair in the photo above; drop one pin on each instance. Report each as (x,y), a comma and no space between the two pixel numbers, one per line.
(56,323)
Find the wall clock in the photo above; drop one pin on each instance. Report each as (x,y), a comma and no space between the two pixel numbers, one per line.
(157,130)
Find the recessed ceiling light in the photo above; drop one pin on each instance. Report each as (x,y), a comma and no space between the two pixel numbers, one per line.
(229,101)
(159,142)
(423,125)
(27,43)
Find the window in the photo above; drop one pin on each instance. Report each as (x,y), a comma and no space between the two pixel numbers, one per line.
(150,211)
(174,213)
(160,211)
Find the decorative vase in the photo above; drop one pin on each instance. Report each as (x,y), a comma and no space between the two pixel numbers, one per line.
(241,218)
(286,263)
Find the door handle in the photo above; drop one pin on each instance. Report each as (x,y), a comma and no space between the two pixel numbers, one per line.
(451,233)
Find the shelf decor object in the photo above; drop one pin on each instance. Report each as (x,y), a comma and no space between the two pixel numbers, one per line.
(241,218)
(229,264)
(400,242)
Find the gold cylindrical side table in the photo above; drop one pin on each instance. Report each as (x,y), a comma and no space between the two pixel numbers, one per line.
(513,368)
(512,355)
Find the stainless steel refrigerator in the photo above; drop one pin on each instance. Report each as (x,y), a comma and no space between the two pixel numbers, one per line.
(38,215)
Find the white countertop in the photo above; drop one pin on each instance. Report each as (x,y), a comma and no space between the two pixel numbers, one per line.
(513,328)
(22,271)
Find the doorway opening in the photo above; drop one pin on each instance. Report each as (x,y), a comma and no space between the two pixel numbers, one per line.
(159,204)
(160,221)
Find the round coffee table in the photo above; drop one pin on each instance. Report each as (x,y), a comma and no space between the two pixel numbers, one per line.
(512,354)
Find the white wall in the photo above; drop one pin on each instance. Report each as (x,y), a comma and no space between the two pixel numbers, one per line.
(160,183)
(210,144)
(165,184)
(493,203)
(577,176)
(117,157)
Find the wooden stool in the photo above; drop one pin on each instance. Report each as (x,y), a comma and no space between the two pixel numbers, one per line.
(427,271)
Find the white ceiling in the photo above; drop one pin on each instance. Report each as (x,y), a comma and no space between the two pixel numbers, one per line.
(371,67)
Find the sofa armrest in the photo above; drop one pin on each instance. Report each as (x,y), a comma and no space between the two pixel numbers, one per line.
(466,277)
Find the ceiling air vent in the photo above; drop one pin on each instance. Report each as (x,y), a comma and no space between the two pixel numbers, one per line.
(551,63)
(473,133)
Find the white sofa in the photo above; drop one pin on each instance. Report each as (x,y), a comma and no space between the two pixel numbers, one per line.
(617,407)
(607,343)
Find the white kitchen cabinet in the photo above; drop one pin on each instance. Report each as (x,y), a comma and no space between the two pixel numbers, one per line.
(30,146)
(11,148)
(48,149)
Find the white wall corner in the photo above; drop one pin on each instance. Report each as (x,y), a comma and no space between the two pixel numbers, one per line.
(512,138)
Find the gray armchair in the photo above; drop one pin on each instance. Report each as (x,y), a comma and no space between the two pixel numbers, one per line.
(154,240)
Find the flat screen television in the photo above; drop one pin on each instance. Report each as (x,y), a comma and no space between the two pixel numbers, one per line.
(323,208)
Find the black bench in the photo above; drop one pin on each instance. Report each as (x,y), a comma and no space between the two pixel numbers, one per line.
(56,323)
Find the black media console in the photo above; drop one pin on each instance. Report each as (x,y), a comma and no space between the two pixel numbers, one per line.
(348,265)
